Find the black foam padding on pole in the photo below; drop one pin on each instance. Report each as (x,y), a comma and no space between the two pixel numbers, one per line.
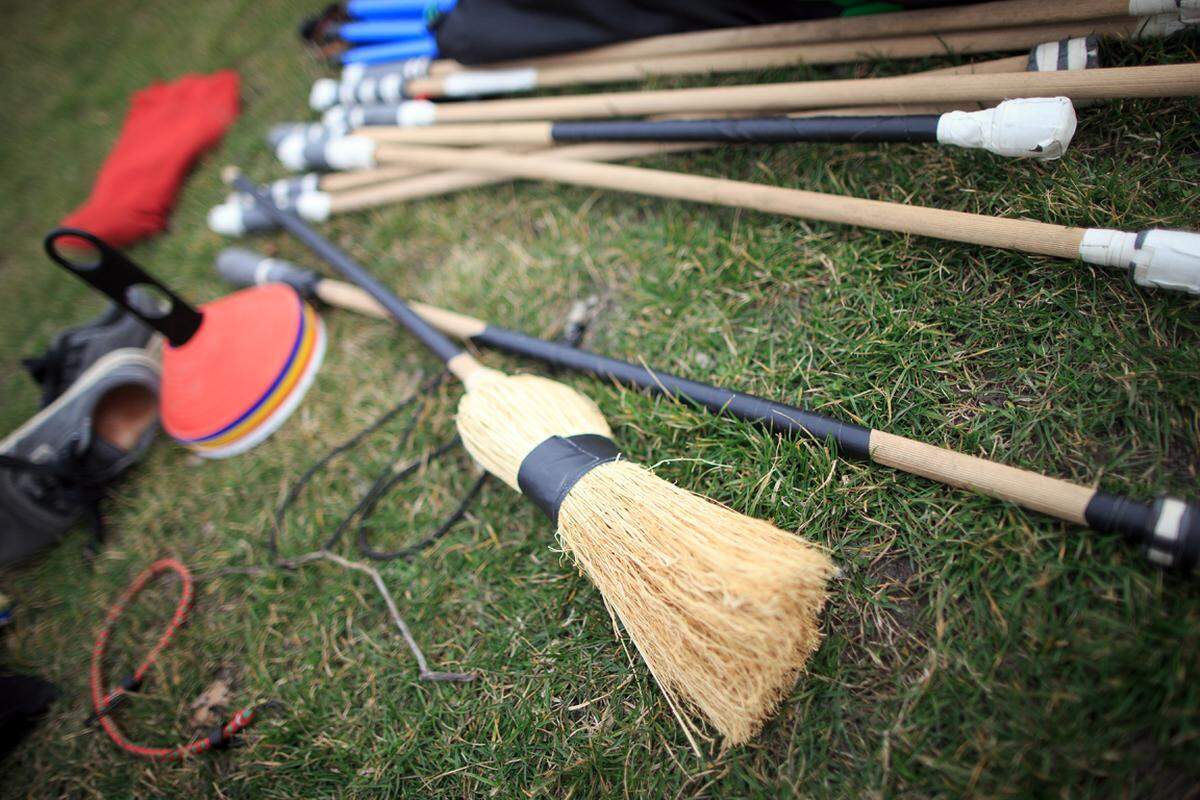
(1176,547)
(1110,513)
(551,469)
(429,336)
(851,440)
(909,128)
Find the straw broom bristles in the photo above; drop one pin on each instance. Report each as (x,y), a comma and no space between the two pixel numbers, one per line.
(724,609)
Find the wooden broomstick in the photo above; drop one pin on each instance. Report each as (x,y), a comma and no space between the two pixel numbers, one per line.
(723,608)
(492,82)
(1171,80)
(316,198)
(1168,529)
(361,88)
(475,83)
(1164,259)
(976,16)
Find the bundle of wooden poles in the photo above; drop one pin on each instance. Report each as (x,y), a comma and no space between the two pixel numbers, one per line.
(724,609)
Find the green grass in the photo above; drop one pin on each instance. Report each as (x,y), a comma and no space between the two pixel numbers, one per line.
(971,649)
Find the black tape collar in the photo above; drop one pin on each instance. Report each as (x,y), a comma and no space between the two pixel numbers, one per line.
(552,468)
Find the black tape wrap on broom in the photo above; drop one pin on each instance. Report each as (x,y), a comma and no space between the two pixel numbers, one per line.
(853,441)
(910,128)
(551,469)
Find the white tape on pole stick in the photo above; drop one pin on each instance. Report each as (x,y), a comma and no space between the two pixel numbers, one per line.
(350,152)
(227,219)
(314,206)
(468,84)
(1141,8)
(1162,259)
(416,112)
(1068,54)
(1036,127)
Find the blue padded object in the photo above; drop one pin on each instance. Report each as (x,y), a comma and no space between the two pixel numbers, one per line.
(398,9)
(425,47)
(382,30)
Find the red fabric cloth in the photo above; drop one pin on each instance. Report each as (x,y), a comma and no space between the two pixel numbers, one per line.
(168,126)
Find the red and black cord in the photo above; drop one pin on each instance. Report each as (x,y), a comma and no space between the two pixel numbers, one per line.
(103,703)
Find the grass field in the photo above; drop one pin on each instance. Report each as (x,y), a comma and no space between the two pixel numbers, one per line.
(971,648)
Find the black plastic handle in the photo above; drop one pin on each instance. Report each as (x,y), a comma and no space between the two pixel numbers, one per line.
(116,276)
(431,337)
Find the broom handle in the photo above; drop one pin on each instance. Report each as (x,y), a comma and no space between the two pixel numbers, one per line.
(1051,496)
(1169,528)
(938,20)
(344,181)
(1172,80)
(1014,234)
(474,83)
(458,361)
(833,128)
(443,182)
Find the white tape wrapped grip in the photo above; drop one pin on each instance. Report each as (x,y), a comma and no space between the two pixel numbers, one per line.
(1161,259)
(1036,127)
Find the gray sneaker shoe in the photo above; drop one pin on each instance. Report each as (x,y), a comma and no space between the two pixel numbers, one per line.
(75,349)
(55,467)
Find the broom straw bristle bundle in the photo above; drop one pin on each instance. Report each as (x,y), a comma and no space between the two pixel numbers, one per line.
(723,608)
(503,417)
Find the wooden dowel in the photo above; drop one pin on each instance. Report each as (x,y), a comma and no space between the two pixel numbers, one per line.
(1010,13)
(1052,496)
(339,181)
(499,133)
(351,297)
(1012,234)
(993,66)
(1173,80)
(456,180)
(461,84)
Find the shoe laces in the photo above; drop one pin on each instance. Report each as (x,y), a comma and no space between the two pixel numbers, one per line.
(50,370)
(67,481)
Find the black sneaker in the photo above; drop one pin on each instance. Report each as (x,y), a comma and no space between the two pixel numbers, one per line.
(75,349)
(55,467)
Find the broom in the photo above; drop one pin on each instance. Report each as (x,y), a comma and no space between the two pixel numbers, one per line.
(327,92)
(478,83)
(1171,80)
(1168,529)
(1164,259)
(239,215)
(723,608)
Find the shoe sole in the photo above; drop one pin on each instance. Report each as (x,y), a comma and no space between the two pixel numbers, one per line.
(87,379)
